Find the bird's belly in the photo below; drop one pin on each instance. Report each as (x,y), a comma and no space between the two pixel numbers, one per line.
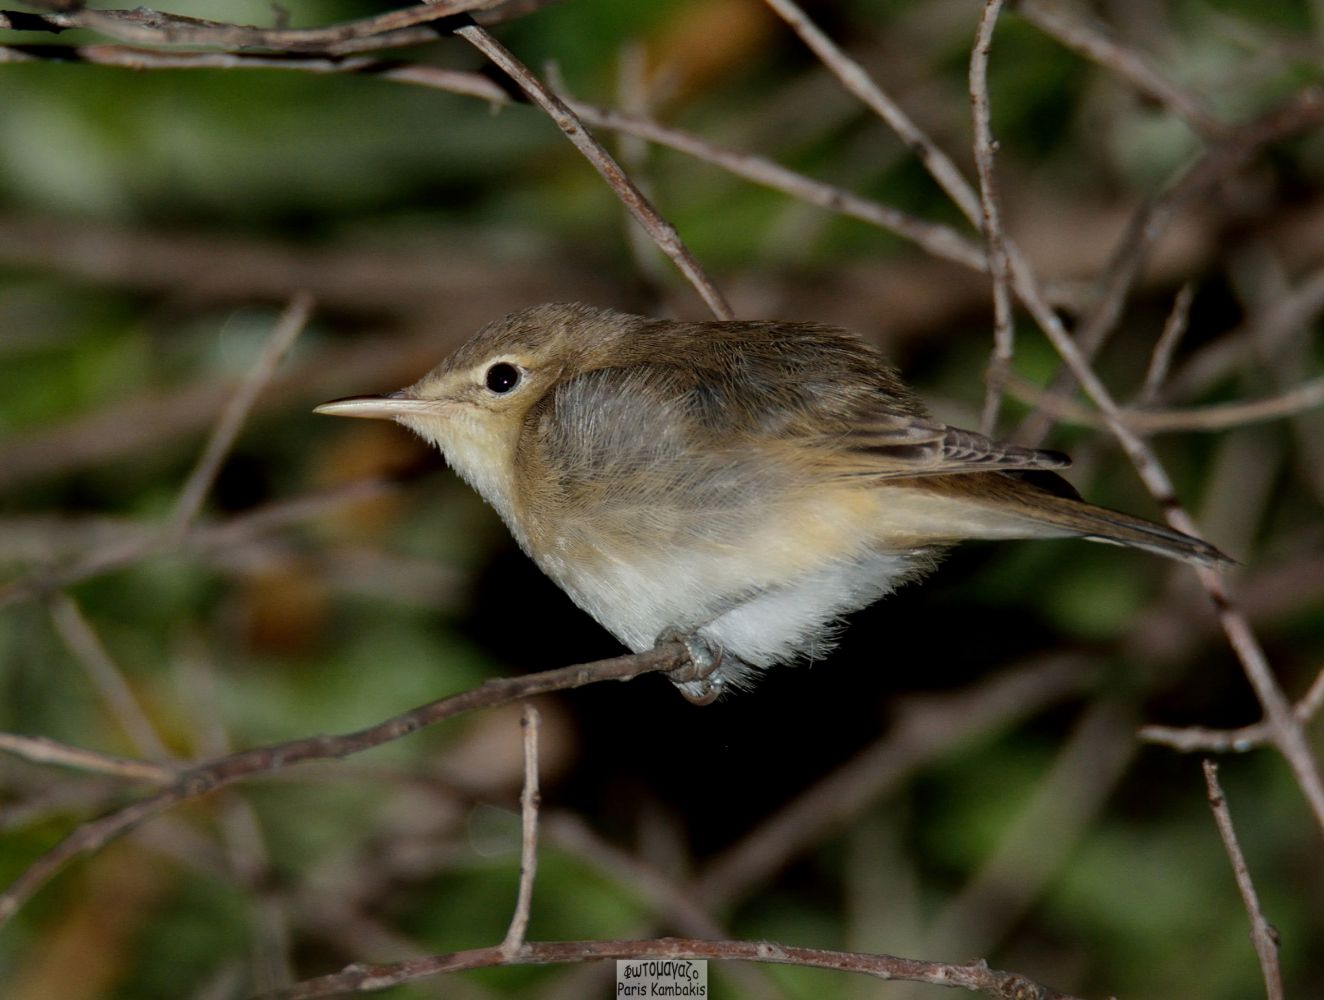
(766,590)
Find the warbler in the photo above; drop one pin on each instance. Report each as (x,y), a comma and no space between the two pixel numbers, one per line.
(739,486)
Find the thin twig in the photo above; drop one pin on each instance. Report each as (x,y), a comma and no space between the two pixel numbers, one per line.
(1189,739)
(1262,935)
(1160,362)
(288,327)
(43,750)
(1288,735)
(985,146)
(83,641)
(935,238)
(1093,42)
(1214,417)
(514,942)
(153,27)
(663,232)
(207,776)
(1152,220)
(974,976)
(203,539)
(858,82)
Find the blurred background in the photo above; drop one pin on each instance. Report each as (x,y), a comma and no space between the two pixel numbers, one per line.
(962,778)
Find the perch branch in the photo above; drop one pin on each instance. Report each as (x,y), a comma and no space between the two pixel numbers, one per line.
(1262,935)
(207,776)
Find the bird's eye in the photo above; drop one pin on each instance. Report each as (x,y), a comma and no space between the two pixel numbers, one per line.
(502,377)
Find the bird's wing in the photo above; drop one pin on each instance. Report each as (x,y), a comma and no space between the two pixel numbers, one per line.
(888,445)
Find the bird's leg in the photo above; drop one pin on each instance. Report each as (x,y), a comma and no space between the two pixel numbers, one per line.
(699,680)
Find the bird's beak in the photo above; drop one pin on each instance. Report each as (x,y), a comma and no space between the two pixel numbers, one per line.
(388,407)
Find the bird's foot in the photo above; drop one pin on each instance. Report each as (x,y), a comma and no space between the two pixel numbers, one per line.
(700,679)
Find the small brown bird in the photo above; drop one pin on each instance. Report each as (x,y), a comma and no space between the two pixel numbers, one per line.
(739,486)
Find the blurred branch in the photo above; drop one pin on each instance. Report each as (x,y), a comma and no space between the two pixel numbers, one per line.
(857,81)
(232,417)
(1003,331)
(1055,818)
(1091,40)
(207,776)
(1214,417)
(1160,361)
(1262,935)
(1302,111)
(42,750)
(663,232)
(161,28)
(975,976)
(82,640)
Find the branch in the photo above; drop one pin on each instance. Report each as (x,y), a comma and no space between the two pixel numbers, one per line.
(153,27)
(232,417)
(1003,332)
(663,232)
(1214,417)
(514,942)
(974,976)
(1262,935)
(43,750)
(207,776)
(1092,42)
(858,82)
(939,240)
(1192,738)
(1160,361)
(1149,224)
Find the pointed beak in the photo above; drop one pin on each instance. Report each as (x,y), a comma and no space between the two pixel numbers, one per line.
(388,407)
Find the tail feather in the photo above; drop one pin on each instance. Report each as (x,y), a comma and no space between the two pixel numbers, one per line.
(1098,524)
(1042,504)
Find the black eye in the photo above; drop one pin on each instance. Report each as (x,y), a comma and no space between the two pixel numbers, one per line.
(502,377)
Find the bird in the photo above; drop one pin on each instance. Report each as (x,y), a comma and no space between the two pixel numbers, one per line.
(739,486)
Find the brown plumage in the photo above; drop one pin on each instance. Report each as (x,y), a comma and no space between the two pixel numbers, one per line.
(741,485)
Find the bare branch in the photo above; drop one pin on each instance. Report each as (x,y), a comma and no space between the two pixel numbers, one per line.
(514,942)
(143,26)
(1160,362)
(1189,739)
(975,976)
(83,641)
(1262,935)
(663,232)
(1148,225)
(1288,735)
(985,145)
(854,78)
(43,750)
(207,776)
(1093,42)
(232,417)
(1214,417)
(937,239)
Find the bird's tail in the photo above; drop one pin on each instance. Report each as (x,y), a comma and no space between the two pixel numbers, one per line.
(1042,504)
(1099,524)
